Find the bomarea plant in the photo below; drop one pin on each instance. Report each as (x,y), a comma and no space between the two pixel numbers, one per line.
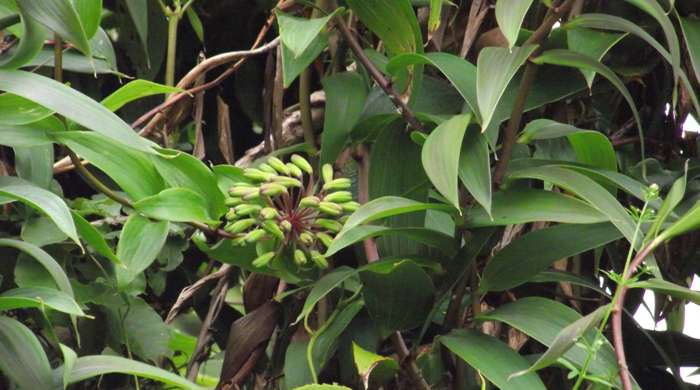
(444,195)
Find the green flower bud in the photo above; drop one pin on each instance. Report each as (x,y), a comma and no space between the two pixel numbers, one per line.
(254,236)
(247,209)
(327,173)
(266,168)
(302,163)
(241,191)
(309,202)
(231,215)
(299,257)
(239,241)
(272,189)
(350,206)
(328,224)
(325,239)
(269,213)
(256,174)
(272,228)
(254,193)
(235,201)
(240,226)
(286,226)
(278,165)
(243,184)
(263,259)
(330,208)
(338,184)
(338,197)
(287,181)
(294,170)
(319,259)
(306,238)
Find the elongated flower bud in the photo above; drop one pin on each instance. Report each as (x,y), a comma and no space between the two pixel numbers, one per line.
(278,165)
(254,236)
(241,191)
(253,194)
(294,170)
(350,206)
(306,238)
(327,173)
(287,181)
(325,239)
(247,209)
(328,224)
(269,213)
(256,174)
(267,168)
(309,202)
(239,241)
(299,257)
(338,197)
(272,228)
(235,201)
(338,184)
(240,226)
(272,189)
(330,208)
(319,259)
(302,163)
(286,226)
(231,215)
(263,259)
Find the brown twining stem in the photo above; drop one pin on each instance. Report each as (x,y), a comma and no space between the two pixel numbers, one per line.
(377,75)
(510,134)
(617,315)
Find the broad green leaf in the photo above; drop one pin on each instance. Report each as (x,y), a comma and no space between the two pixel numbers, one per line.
(43,258)
(668,288)
(65,100)
(176,205)
(566,339)
(94,238)
(475,168)
(117,161)
(323,286)
(373,369)
(296,367)
(543,319)
(526,256)
(35,164)
(324,342)
(61,17)
(461,73)
(41,200)
(90,13)
(322,387)
(407,286)
(24,136)
(298,34)
(227,175)
(431,238)
(87,367)
(73,61)
(673,198)
(566,277)
(517,206)
(292,65)
(440,156)
(41,231)
(69,358)
(184,170)
(510,15)
(134,90)
(691,32)
(16,110)
(38,297)
(345,98)
(388,206)
(139,243)
(30,44)
(22,359)
(138,10)
(495,68)
(137,323)
(594,44)
(402,35)
(494,359)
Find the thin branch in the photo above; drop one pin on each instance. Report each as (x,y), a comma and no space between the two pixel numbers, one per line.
(377,75)
(476,18)
(188,292)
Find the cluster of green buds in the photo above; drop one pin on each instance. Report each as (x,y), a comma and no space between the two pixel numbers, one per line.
(284,210)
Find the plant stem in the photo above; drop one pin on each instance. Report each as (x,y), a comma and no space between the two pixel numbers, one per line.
(173,22)
(57,58)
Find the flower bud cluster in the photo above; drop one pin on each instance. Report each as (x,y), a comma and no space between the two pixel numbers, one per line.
(281,204)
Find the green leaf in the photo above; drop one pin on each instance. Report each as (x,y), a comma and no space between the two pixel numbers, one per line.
(345,98)
(61,17)
(22,359)
(30,44)
(461,73)
(495,68)
(292,65)
(298,34)
(425,236)
(543,319)
(136,324)
(673,198)
(510,15)
(196,23)
(44,201)
(594,44)
(324,342)
(117,161)
(691,32)
(38,297)
(90,13)
(323,286)
(374,370)
(184,170)
(138,10)
(227,175)
(96,365)
(441,155)
(405,285)
(494,359)
(35,164)
(388,206)
(402,35)
(69,358)
(43,258)
(135,90)
(16,110)
(507,269)
(475,168)
(668,288)
(24,136)
(139,244)
(94,238)
(176,205)
(517,206)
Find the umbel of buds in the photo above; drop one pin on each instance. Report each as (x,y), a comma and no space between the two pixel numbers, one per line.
(284,211)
